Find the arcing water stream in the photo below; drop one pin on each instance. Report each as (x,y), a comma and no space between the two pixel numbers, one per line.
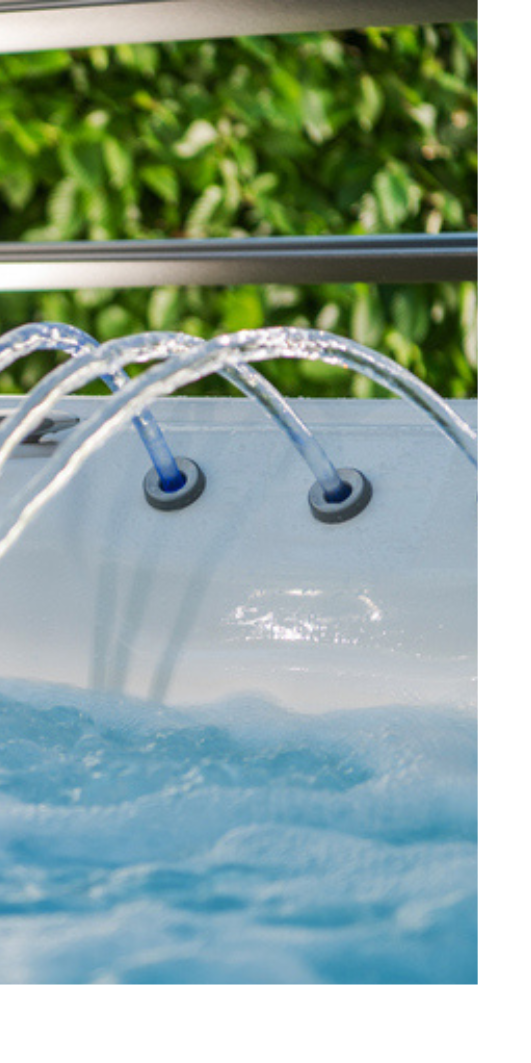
(180,367)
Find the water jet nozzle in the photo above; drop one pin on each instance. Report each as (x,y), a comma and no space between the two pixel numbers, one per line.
(352,501)
(193,487)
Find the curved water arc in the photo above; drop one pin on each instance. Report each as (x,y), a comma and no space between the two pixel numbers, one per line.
(253,384)
(54,336)
(162,380)
(44,395)
(43,336)
(250,345)
(336,350)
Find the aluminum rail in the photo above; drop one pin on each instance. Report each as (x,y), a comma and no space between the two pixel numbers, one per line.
(281,260)
(35,25)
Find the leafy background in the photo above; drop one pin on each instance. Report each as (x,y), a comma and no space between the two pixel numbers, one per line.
(363,132)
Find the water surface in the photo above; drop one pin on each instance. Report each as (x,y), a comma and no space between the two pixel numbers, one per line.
(235,844)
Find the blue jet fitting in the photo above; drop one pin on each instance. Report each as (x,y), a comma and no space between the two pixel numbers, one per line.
(194,485)
(354,502)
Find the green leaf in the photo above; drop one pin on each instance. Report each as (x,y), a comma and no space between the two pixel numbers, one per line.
(164,309)
(113,322)
(398,196)
(163,181)
(468,313)
(370,103)
(202,211)
(118,162)
(314,116)
(367,318)
(242,309)
(82,159)
(64,209)
(411,313)
(198,137)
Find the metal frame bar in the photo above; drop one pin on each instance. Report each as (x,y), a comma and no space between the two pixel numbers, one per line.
(281,260)
(36,25)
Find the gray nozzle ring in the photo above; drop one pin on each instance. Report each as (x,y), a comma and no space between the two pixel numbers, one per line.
(184,496)
(337,512)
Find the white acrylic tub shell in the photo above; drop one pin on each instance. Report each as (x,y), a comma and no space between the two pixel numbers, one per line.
(245,593)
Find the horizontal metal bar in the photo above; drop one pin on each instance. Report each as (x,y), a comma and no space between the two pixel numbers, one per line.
(282,260)
(35,25)
(303,260)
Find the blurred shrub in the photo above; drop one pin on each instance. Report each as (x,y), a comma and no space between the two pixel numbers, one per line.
(363,132)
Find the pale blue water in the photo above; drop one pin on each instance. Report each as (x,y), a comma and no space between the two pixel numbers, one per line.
(235,844)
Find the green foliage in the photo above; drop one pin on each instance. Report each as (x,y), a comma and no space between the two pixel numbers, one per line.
(363,132)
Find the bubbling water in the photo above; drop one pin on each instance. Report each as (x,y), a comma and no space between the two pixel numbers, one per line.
(234,842)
